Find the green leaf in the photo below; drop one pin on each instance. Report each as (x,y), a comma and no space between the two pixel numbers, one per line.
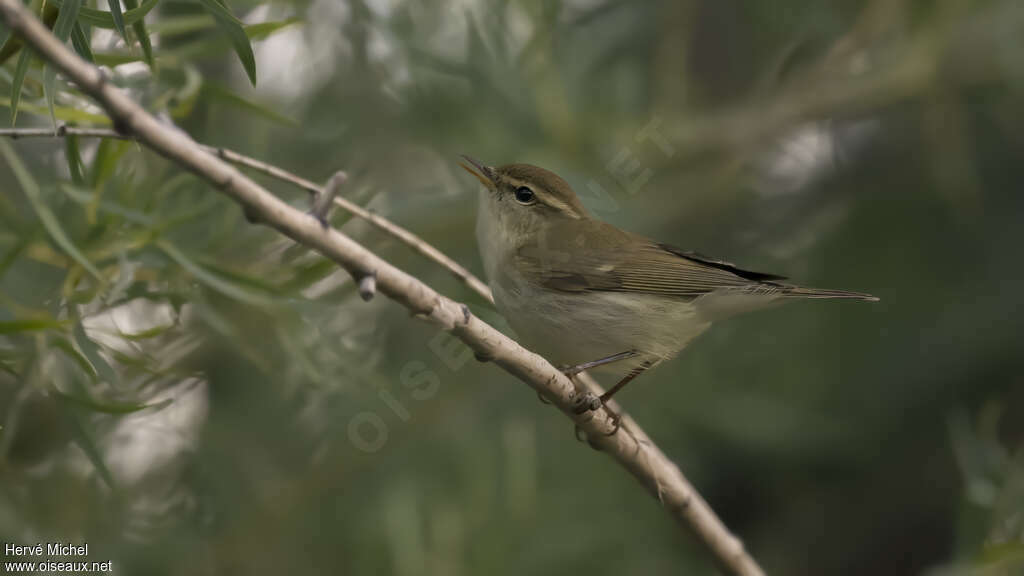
(29,325)
(74,159)
(116,58)
(102,19)
(221,92)
(88,200)
(148,333)
(168,26)
(108,153)
(109,406)
(211,280)
(140,31)
(235,32)
(91,351)
(46,216)
(80,40)
(85,441)
(65,113)
(69,350)
(180,25)
(262,30)
(5,33)
(19,78)
(118,18)
(14,253)
(62,30)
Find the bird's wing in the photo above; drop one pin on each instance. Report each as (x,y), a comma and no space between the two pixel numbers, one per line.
(622,262)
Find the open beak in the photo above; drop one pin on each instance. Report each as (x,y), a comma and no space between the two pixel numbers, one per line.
(485,174)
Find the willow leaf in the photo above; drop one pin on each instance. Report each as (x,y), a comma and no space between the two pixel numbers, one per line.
(29,325)
(16,82)
(103,19)
(85,441)
(118,17)
(140,31)
(46,216)
(80,40)
(210,279)
(62,30)
(233,29)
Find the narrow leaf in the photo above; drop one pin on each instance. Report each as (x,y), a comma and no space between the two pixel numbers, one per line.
(118,17)
(221,92)
(74,158)
(19,78)
(235,32)
(148,333)
(5,33)
(46,216)
(80,40)
(14,253)
(140,31)
(214,282)
(180,25)
(85,441)
(62,30)
(65,113)
(91,351)
(116,58)
(69,350)
(110,406)
(102,19)
(262,30)
(88,200)
(29,325)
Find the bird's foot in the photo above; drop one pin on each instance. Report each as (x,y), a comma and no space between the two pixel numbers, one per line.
(581,436)
(616,422)
(586,402)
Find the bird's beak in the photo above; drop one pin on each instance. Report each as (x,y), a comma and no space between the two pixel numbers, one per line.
(485,174)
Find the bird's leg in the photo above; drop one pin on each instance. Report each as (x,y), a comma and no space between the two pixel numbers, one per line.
(629,378)
(574,370)
(588,401)
(604,398)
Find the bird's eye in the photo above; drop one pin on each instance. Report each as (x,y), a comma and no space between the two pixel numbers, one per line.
(525,196)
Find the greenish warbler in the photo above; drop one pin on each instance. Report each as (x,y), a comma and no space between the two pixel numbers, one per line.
(584,293)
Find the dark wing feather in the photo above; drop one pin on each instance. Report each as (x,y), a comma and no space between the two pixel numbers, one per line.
(622,262)
(722,264)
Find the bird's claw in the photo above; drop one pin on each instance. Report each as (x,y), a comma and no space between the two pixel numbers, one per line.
(586,402)
(581,436)
(616,423)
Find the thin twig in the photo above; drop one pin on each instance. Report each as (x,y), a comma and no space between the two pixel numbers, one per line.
(405,236)
(642,458)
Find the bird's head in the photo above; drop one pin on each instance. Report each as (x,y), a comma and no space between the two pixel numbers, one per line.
(523,200)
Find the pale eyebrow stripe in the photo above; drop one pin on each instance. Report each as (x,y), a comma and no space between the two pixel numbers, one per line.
(548,199)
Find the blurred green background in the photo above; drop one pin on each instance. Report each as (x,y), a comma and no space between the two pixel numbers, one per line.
(191,394)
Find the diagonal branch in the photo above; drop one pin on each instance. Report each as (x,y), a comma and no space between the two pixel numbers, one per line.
(382,223)
(632,451)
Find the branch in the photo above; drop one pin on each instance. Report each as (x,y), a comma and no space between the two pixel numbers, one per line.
(405,236)
(633,451)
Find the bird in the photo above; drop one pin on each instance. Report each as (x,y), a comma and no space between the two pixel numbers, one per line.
(586,294)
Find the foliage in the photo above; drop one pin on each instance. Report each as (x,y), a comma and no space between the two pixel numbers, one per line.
(187,392)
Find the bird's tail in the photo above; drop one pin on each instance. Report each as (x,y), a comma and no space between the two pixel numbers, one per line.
(823,293)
